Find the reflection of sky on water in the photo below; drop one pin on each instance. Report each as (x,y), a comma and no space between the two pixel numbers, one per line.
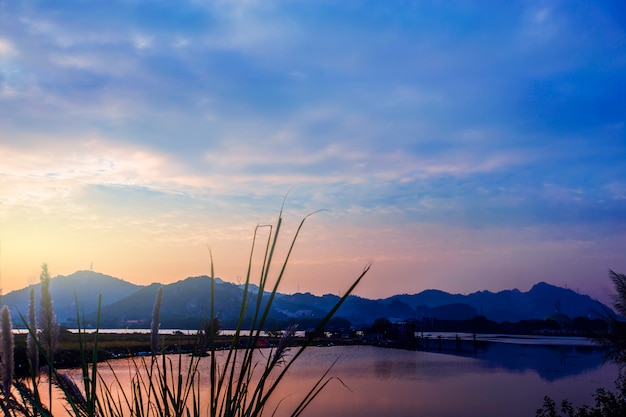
(550,363)
(512,339)
(373,382)
(408,383)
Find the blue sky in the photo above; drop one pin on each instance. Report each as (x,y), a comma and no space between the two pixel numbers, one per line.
(457,145)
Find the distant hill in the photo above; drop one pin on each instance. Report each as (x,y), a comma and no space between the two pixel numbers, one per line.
(187,302)
(542,300)
(84,286)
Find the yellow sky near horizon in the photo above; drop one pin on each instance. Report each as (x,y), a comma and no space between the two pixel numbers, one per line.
(326,258)
(454,149)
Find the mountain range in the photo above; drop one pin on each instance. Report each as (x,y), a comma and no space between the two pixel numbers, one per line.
(186,303)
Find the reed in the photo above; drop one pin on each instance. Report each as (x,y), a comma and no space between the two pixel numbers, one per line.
(32,353)
(8,364)
(242,380)
(155,344)
(48,325)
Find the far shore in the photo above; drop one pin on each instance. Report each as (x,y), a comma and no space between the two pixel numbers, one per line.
(136,342)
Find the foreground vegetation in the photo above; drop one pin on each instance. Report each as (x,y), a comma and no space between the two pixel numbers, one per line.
(606,403)
(241,384)
(121,345)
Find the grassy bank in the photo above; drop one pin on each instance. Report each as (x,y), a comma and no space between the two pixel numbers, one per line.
(117,345)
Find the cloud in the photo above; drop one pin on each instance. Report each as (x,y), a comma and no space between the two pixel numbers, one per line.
(398,116)
(59,168)
(6,48)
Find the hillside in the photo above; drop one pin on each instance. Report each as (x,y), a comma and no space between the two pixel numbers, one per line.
(542,300)
(84,286)
(186,303)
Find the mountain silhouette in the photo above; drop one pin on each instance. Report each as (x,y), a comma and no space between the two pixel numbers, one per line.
(186,303)
(84,286)
(539,302)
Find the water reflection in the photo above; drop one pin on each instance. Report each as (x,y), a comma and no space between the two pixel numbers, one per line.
(405,383)
(550,362)
(501,380)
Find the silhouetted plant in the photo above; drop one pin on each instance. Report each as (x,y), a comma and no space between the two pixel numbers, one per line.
(32,352)
(205,338)
(241,383)
(614,341)
(283,344)
(74,395)
(606,404)
(48,326)
(155,343)
(7,349)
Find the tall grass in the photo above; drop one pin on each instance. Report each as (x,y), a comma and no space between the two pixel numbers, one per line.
(6,335)
(32,353)
(48,325)
(242,378)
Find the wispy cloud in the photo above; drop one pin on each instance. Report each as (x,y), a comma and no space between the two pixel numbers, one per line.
(164,116)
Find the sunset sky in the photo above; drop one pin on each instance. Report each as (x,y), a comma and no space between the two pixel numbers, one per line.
(461,146)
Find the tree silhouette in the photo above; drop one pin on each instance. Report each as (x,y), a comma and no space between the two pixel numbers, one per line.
(207,336)
(615,339)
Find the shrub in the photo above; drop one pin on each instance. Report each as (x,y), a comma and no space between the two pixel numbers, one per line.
(606,404)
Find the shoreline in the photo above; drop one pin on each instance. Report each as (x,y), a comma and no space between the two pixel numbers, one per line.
(135,344)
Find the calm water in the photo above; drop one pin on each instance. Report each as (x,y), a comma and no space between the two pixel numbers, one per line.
(502,379)
(406,383)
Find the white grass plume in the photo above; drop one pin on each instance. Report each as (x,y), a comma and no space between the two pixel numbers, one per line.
(32,351)
(155,343)
(48,325)
(8,363)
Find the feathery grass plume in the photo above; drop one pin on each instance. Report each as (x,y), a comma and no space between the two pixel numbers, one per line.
(48,325)
(7,350)
(1,293)
(32,352)
(26,402)
(71,390)
(614,340)
(619,299)
(283,344)
(154,332)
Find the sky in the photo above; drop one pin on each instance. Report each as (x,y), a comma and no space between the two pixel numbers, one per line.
(455,145)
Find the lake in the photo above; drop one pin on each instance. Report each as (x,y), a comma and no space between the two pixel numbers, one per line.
(508,377)
(408,383)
